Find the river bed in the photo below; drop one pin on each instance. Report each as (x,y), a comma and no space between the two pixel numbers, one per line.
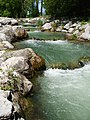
(59,94)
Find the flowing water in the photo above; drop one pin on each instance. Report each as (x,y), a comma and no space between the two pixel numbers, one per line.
(59,94)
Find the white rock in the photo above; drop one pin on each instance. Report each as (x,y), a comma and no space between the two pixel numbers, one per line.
(8,45)
(87,28)
(74,25)
(8,31)
(2,52)
(4,94)
(47,26)
(27,85)
(5,20)
(76,32)
(3,37)
(64,31)
(85,36)
(71,30)
(16,27)
(0,25)
(59,29)
(14,22)
(78,26)
(67,26)
(5,108)
(16,63)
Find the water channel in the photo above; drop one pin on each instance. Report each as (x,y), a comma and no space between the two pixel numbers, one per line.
(59,94)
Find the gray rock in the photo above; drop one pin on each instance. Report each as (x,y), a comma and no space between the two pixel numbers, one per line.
(47,26)
(5,108)
(76,32)
(5,20)
(8,31)
(64,31)
(3,37)
(85,36)
(59,29)
(7,45)
(67,26)
(20,32)
(14,22)
(15,63)
(71,30)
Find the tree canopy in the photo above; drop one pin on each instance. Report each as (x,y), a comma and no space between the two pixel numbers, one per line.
(55,8)
(68,8)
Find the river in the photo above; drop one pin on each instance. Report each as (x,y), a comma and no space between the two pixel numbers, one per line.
(59,94)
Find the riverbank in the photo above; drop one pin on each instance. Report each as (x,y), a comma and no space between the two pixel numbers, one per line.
(16,66)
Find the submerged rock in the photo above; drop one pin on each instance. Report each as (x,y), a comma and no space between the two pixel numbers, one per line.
(84,60)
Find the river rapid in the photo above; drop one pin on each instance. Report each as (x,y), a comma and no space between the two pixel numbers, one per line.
(59,94)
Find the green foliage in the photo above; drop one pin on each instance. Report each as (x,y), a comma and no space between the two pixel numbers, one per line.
(83,22)
(12,83)
(6,13)
(74,37)
(54,25)
(67,8)
(39,23)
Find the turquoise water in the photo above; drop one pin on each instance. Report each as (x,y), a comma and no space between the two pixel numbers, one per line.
(59,94)
(56,52)
(46,35)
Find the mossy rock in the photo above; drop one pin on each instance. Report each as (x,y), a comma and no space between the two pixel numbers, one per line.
(84,60)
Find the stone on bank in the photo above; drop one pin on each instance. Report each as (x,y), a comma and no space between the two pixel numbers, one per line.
(15,68)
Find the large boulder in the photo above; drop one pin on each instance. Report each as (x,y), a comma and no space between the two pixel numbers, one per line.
(85,36)
(7,33)
(35,61)
(20,32)
(46,26)
(5,20)
(14,22)
(8,21)
(15,65)
(11,77)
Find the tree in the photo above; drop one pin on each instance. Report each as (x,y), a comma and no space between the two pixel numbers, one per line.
(68,8)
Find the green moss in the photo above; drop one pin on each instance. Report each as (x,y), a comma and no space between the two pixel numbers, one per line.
(39,23)
(74,37)
(54,25)
(83,22)
(0,69)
